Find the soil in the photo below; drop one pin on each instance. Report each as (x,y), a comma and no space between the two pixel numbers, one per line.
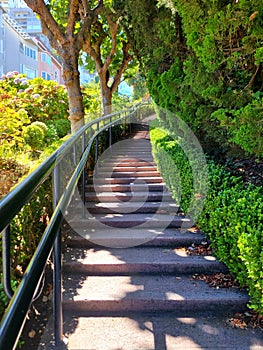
(10,174)
(38,316)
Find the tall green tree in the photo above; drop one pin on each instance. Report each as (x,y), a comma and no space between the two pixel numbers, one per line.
(204,61)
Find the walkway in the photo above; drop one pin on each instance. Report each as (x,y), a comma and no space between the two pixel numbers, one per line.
(128,279)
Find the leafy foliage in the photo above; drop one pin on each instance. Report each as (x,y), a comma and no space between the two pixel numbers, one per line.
(35,112)
(214,63)
(23,106)
(232,216)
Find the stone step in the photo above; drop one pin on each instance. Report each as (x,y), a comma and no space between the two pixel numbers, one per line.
(147,293)
(166,238)
(100,221)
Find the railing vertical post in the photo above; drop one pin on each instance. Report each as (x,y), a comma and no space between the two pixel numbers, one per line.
(97,144)
(110,134)
(83,179)
(119,129)
(6,251)
(57,275)
(75,154)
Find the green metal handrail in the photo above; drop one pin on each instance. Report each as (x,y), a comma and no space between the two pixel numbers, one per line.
(15,315)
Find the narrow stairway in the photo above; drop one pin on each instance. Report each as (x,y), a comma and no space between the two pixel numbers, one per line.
(127,277)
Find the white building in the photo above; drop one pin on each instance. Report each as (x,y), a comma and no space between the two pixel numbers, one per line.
(20,52)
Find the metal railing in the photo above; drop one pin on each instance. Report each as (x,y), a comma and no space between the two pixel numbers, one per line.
(79,145)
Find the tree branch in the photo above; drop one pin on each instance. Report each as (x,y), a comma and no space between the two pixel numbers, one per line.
(113,31)
(125,61)
(46,18)
(73,11)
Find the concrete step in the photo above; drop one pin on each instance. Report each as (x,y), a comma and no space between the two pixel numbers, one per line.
(166,238)
(173,331)
(132,207)
(131,158)
(119,169)
(127,187)
(130,174)
(124,163)
(147,293)
(140,197)
(125,180)
(138,260)
(100,221)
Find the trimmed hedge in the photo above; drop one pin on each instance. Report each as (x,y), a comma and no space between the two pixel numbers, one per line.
(232,216)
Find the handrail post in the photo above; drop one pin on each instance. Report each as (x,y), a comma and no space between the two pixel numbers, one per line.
(83,178)
(57,275)
(6,252)
(97,144)
(110,134)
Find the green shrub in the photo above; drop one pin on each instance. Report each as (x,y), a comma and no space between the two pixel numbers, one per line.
(62,127)
(183,166)
(232,216)
(34,136)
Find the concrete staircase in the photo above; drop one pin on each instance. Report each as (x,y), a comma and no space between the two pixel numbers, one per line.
(127,277)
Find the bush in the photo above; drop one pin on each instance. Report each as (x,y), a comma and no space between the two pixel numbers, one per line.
(183,166)
(232,216)
(33,114)
(34,136)
(62,127)
(233,220)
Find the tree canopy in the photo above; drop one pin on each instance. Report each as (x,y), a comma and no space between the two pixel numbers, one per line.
(203,60)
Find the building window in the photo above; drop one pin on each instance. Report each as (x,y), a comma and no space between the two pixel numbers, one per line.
(43,57)
(45,75)
(33,54)
(30,73)
(30,52)
(21,47)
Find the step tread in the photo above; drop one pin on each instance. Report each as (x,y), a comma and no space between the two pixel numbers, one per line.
(119,180)
(139,255)
(153,238)
(131,206)
(151,289)
(171,332)
(136,187)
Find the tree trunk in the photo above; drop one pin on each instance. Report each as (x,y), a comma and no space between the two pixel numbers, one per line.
(106,98)
(72,82)
(106,92)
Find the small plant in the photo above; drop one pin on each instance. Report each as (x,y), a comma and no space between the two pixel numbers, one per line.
(34,136)
(62,127)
